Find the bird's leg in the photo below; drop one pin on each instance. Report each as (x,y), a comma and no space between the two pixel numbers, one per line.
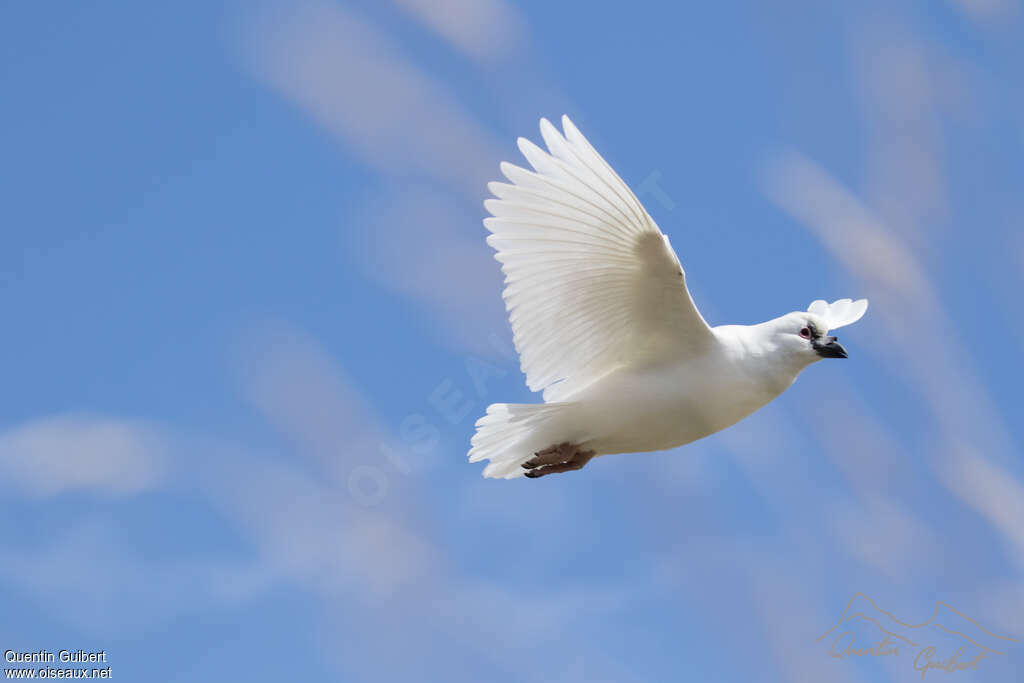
(552,455)
(564,457)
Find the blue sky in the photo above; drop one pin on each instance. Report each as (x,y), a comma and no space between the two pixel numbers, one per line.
(250,319)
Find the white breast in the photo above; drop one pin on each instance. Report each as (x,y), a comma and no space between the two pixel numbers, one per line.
(661,407)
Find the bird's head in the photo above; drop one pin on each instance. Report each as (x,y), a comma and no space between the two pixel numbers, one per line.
(803,336)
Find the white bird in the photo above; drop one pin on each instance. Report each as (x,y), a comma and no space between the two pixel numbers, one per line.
(605,326)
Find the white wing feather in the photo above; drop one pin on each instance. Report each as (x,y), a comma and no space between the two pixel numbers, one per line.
(591,282)
(839,313)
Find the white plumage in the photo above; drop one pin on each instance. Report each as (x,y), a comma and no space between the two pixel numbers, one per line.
(606,328)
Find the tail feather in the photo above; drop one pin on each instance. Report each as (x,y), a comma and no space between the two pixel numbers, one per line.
(510,433)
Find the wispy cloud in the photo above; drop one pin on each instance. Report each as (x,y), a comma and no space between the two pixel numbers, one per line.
(421,234)
(386,569)
(852,233)
(52,455)
(483,30)
(316,524)
(883,534)
(886,239)
(295,384)
(310,531)
(987,12)
(115,590)
(993,492)
(357,83)
(965,421)
(787,616)
(424,244)
(901,86)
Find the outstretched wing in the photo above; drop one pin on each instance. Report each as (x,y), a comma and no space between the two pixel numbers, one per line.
(840,312)
(591,282)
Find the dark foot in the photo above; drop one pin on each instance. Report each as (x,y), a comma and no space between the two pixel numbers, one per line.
(552,455)
(563,457)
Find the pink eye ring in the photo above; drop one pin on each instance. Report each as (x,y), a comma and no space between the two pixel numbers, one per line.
(805,333)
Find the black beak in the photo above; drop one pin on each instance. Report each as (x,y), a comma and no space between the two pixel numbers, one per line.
(828,347)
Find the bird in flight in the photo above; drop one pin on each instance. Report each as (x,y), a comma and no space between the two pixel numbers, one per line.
(605,326)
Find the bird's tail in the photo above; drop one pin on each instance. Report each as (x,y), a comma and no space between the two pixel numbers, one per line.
(511,433)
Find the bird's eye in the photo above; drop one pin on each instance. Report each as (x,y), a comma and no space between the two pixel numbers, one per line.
(805,333)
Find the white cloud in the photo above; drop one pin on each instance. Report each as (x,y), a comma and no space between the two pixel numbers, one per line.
(384,570)
(992,491)
(426,245)
(906,302)
(903,298)
(484,30)
(988,12)
(790,619)
(884,535)
(355,82)
(849,230)
(309,522)
(115,591)
(310,530)
(1003,603)
(52,455)
(295,384)
(901,87)
(418,235)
